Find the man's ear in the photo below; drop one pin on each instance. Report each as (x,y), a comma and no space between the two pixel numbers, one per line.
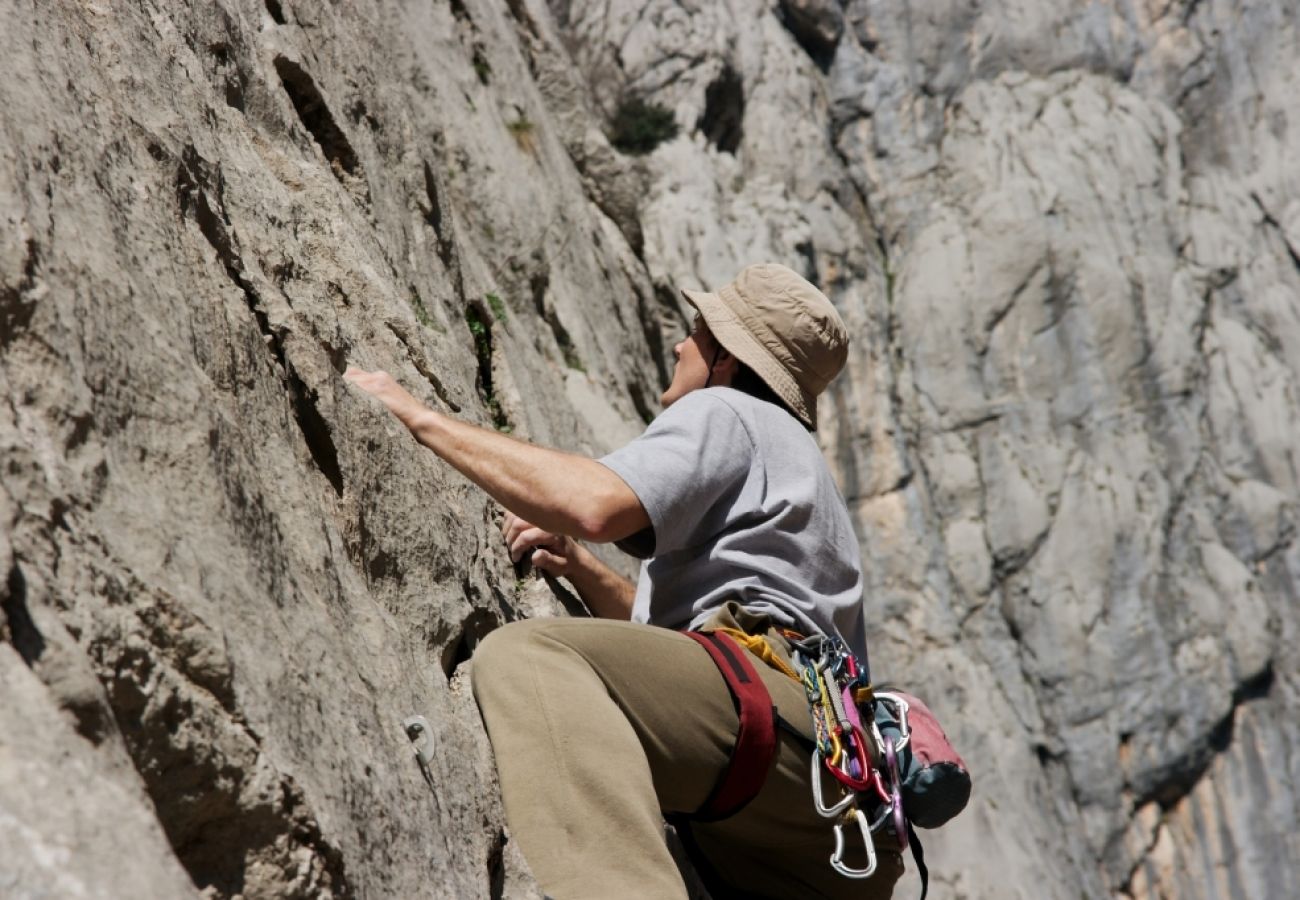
(724,366)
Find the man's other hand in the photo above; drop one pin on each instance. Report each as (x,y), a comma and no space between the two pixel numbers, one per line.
(552,553)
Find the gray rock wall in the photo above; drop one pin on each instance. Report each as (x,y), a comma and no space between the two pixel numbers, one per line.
(1066,238)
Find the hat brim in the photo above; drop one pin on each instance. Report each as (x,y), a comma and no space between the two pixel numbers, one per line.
(731,333)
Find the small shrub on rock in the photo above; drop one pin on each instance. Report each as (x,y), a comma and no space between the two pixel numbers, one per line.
(639,126)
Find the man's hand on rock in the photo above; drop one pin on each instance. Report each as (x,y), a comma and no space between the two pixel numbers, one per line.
(552,553)
(382,386)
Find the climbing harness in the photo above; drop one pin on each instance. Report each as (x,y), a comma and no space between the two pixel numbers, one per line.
(884,750)
(751,756)
(755,747)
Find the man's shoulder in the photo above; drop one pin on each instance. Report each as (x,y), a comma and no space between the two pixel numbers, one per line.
(704,403)
(763,415)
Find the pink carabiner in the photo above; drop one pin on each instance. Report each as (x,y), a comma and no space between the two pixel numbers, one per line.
(878,782)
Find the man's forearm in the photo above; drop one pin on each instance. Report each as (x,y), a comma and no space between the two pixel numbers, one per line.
(606,593)
(558,491)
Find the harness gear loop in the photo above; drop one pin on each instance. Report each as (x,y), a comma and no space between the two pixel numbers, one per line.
(758,646)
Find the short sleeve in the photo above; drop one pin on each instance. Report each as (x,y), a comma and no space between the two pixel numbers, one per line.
(692,457)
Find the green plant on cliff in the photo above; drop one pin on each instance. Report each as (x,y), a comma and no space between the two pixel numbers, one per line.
(481,332)
(522,130)
(482,68)
(639,126)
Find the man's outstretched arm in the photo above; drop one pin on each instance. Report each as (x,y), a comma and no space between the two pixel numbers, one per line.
(557,491)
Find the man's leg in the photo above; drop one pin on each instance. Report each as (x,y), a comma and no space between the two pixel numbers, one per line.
(597,726)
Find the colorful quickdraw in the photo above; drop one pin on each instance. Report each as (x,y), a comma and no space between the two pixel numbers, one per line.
(857,755)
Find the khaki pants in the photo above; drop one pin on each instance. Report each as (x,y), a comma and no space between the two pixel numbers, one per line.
(599,727)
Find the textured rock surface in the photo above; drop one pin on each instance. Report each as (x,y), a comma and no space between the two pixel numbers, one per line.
(1065,236)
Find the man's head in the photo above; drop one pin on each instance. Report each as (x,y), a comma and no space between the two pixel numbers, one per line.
(701,362)
(771,322)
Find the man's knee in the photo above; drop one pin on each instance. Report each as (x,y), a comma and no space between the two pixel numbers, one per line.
(504,654)
(495,657)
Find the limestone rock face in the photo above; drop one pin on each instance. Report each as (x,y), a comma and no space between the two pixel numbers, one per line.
(1065,238)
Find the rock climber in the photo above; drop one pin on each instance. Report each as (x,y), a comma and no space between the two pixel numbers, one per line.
(602,727)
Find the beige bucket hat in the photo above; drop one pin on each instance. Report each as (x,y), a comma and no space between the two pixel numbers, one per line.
(783,328)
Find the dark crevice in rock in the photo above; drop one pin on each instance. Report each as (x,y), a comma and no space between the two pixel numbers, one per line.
(482,68)
(1178,777)
(1257,687)
(476,626)
(317,118)
(496,869)
(537,285)
(816,27)
(234,79)
(437,218)
(59,507)
(808,251)
(1046,755)
(643,409)
(18,628)
(315,430)
(724,111)
(1273,223)
(519,11)
(276,11)
(16,304)
(480,329)
(421,365)
(653,324)
(235,88)
(565,342)
(194,183)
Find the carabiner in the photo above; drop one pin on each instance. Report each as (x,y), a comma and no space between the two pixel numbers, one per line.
(878,783)
(837,858)
(896,794)
(838,748)
(843,772)
(901,709)
(826,812)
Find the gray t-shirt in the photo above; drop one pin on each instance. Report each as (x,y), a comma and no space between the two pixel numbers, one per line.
(743,506)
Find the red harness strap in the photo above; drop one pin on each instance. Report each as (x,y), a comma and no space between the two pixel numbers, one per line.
(751,759)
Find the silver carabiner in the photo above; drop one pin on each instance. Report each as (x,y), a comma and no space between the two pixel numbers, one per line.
(901,709)
(837,858)
(826,812)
